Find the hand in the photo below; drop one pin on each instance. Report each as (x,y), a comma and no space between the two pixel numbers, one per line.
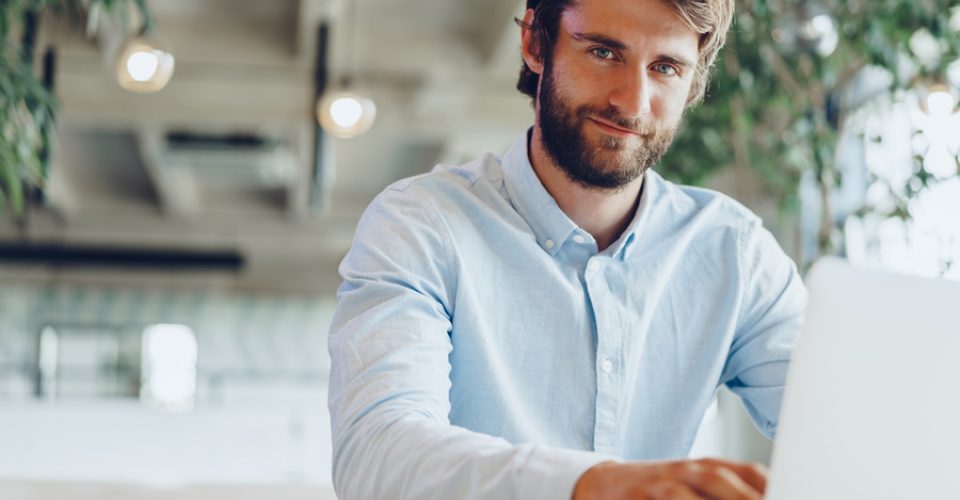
(686,479)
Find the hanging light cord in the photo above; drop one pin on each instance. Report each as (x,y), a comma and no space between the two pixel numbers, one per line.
(350,21)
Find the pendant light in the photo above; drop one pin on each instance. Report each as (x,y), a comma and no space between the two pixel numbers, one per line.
(145,60)
(346,114)
(341,111)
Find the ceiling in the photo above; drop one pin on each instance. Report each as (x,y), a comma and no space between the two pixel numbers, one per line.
(442,74)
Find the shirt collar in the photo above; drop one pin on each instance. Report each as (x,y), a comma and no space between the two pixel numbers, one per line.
(549,223)
(652,186)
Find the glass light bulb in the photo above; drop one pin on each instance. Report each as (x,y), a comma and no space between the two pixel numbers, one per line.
(142,65)
(346,114)
(346,111)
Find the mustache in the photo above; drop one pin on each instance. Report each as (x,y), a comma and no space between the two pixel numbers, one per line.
(635,125)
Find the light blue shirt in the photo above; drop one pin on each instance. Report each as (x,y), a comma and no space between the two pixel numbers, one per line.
(483,348)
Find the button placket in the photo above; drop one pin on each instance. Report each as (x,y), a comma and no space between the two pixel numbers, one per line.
(608,342)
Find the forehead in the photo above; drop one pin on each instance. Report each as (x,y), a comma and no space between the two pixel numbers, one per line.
(639,24)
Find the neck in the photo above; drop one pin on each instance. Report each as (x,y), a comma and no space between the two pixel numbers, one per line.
(604,213)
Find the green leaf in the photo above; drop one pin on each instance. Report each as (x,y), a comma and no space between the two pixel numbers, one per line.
(10,180)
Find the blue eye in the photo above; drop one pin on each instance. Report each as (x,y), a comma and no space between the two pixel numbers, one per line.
(602,53)
(665,69)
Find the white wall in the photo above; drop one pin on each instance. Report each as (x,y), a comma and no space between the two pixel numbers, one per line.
(260,415)
(123,442)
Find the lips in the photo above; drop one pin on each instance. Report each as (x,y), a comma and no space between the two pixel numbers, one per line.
(613,129)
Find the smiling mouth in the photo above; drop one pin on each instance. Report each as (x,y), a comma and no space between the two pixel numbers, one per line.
(614,129)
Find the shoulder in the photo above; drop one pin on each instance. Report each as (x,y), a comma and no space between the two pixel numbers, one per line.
(720,217)
(701,206)
(714,226)
(427,201)
(446,180)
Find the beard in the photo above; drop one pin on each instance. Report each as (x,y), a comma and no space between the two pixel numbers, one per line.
(612,163)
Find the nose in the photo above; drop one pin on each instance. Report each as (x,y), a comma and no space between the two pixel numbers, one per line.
(632,94)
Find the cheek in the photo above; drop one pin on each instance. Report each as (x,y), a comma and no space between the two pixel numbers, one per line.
(579,83)
(672,104)
(571,82)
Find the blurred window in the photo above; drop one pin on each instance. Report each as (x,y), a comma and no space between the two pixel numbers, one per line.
(169,367)
(157,365)
(84,362)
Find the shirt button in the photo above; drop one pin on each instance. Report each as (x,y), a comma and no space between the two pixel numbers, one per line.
(606,365)
(579,239)
(548,243)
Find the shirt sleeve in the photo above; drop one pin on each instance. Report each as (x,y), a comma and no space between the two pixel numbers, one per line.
(390,376)
(771,313)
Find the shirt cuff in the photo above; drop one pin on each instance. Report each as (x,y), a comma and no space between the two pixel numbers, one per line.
(552,474)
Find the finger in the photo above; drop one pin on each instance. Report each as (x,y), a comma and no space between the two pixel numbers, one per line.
(671,490)
(718,482)
(752,473)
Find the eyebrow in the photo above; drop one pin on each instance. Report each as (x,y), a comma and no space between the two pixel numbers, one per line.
(601,39)
(613,43)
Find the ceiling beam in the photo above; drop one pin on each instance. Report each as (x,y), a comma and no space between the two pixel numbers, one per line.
(177,190)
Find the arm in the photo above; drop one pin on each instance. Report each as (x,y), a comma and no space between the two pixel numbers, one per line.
(389,345)
(771,313)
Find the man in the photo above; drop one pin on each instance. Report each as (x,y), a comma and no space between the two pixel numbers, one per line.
(554,323)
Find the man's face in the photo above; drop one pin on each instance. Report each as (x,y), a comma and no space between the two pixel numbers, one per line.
(613,91)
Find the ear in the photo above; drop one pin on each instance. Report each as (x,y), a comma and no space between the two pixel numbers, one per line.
(530,45)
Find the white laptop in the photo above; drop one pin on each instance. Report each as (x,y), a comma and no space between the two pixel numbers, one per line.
(872,404)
